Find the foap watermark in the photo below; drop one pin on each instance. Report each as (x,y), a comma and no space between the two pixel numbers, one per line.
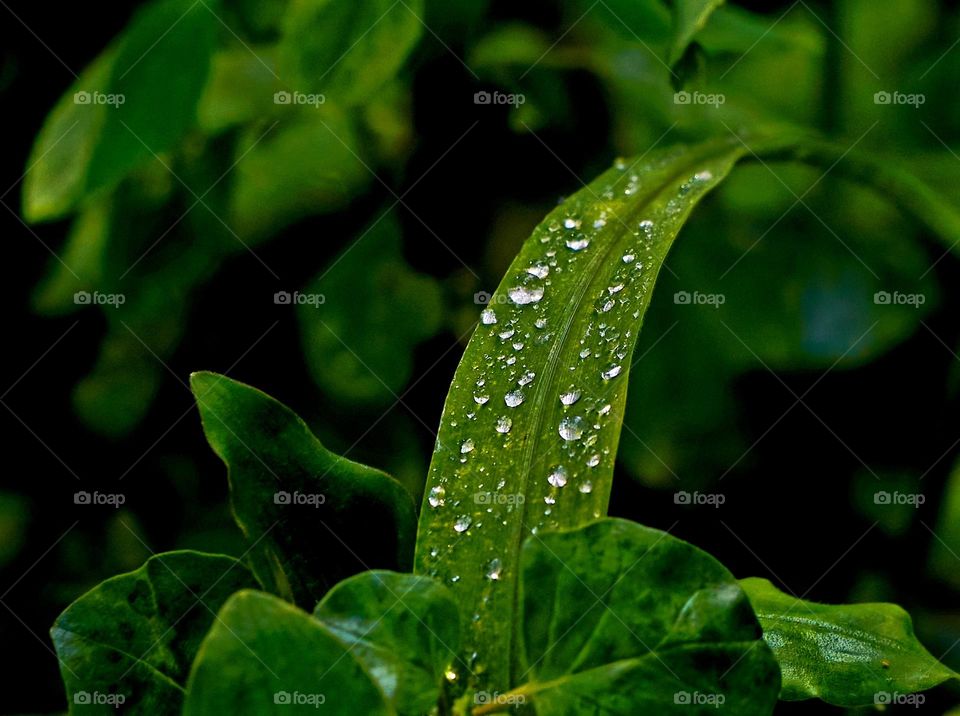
(498,498)
(914,499)
(309,499)
(896,298)
(97,499)
(695,298)
(98,698)
(514,99)
(485,698)
(99,98)
(895,698)
(302,99)
(899,98)
(298,698)
(695,698)
(95,298)
(709,99)
(286,298)
(711,499)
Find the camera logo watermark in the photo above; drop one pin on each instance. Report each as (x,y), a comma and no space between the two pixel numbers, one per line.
(286,298)
(899,98)
(97,698)
(299,99)
(699,98)
(498,498)
(310,499)
(484,698)
(686,298)
(887,698)
(297,698)
(914,499)
(86,298)
(512,99)
(695,698)
(99,98)
(886,298)
(96,499)
(711,499)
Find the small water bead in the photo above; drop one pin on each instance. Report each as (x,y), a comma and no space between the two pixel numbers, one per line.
(605,409)
(450,675)
(620,163)
(466,446)
(557,476)
(578,244)
(455,578)
(611,372)
(538,270)
(540,323)
(705,175)
(527,378)
(617,288)
(571,428)
(511,360)
(599,223)
(514,398)
(585,353)
(570,397)
(608,305)
(481,399)
(571,223)
(494,569)
(504,335)
(586,487)
(523,296)
(463,523)
(488,317)
(504,424)
(628,258)
(435,496)
(646,225)
(517,346)
(594,460)
(550,500)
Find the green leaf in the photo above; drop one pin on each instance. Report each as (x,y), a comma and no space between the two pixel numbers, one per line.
(847,655)
(689,17)
(622,619)
(531,424)
(106,124)
(311,517)
(265,656)
(359,342)
(945,540)
(345,49)
(403,628)
(135,635)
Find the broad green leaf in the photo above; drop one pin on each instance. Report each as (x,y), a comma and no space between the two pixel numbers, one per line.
(945,540)
(404,629)
(265,656)
(134,636)
(622,619)
(311,517)
(847,655)
(344,49)
(531,424)
(532,421)
(689,17)
(241,88)
(107,122)
(359,341)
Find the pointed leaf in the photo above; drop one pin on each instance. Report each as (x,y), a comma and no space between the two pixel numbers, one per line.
(405,629)
(311,517)
(847,655)
(131,639)
(265,656)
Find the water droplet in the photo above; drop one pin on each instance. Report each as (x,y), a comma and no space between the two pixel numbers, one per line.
(608,305)
(550,500)
(571,223)
(599,223)
(586,487)
(488,316)
(540,323)
(578,244)
(436,495)
(557,476)
(463,523)
(594,460)
(513,398)
(628,258)
(611,372)
(466,446)
(538,270)
(585,352)
(527,378)
(450,675)
(605,409)
(615,289)
(571,428)
(504,335)
(522,295)
(481,399)
(570,397)
(646,225)
(504,424)
(494,569)
(705,175)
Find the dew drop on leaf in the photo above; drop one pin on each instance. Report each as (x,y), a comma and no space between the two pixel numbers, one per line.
(570,397)
(466,446)
(578,244)
(571,428)
(481,399)
(463,523)
(611,372)
(488,316)
(513,398)
(494,569)
(557,476)
(522,295)
(586,487)
(436,495)
(504,424)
